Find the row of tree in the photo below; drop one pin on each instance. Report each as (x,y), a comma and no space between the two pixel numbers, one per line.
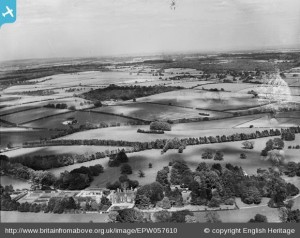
(160,143)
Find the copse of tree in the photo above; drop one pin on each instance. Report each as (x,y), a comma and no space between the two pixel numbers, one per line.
(207,155)
(288,136)
(117,159)
(44,162)
(160,126)
(219,155)
(126,92)
(123,183)
(126,169)
(276,143)
(181,174)
(162,177)
(174,143)
(153,191)
(292,169)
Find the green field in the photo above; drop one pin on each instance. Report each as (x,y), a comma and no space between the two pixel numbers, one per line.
(219,101)
(82,117)
(152,112)
(21,117)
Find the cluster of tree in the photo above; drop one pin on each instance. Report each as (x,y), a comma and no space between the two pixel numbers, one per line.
(55,204)
(248,144)
(38,93)
(116,159)
(44,162)
(160,143)
(287,214)
(292,169)
(294,147)
(275,144)
(213,89)
(174,143)
(114,92)
(258,218)
(57,106)
(219,155)
(150,131)
(183,216)
(123,183)
(79,178)
(215,185)
(126,169)
(60,205)
(20,171)
(288,135)
(160,125)
(92,205)
(127,216)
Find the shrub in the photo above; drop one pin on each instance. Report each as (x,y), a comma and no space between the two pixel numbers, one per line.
(243,156)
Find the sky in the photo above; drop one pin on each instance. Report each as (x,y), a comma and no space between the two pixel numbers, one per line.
(91,28)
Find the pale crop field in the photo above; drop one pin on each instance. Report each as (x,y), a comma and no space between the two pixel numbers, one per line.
(152,112)
(274,122)
(94,78)
(218,101)
(233,87)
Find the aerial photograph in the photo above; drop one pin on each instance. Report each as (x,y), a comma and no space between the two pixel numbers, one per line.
(150,111)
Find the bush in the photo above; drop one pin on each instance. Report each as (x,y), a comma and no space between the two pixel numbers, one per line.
(160,125)
(243,156)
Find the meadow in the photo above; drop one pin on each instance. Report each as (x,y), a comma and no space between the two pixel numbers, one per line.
(22,117)
(82,117)
(152,112)
(216,101)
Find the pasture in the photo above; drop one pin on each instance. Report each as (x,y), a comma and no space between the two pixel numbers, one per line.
(18,136)
(266,121)
(82,117)
(191,155)
(51,150)
(24,116)
(216,101)
(151,112)
(182,130)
